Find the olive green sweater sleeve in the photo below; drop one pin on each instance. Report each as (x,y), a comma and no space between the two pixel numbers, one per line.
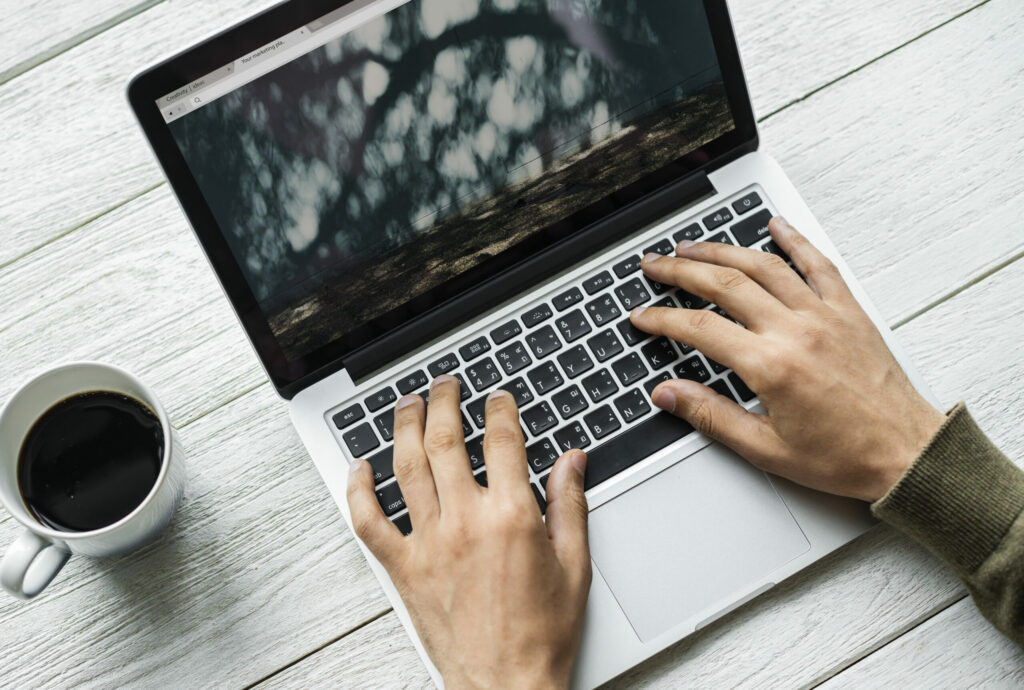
(964,500)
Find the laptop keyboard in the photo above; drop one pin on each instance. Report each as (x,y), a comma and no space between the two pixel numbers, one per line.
(580,372)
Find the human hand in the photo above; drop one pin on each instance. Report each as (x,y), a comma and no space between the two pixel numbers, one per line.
(496,595)
(842,416)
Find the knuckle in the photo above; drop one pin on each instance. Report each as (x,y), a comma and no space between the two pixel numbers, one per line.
(702,418)
(362,525)
(443,439)
(702,320)
(728,279)
(503,436)
(773,262)
(405,464)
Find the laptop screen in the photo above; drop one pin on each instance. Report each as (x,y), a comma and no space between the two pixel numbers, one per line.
(389,154)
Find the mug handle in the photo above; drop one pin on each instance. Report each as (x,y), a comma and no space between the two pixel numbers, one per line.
(30,564)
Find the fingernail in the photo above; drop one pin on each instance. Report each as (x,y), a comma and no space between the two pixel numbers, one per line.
(443,378)
(638,311)
(499,394)
(652,256)
(578,460)
(406,400)
(684,245)
(356,466)
(664,399)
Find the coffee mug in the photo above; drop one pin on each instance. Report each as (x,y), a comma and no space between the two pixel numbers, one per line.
(36,557)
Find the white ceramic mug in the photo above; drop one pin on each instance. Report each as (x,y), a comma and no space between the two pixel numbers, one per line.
(40,552)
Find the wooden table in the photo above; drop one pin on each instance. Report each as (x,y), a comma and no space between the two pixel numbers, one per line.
(902,124)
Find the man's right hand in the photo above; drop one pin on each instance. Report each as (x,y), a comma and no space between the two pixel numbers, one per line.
(842,416)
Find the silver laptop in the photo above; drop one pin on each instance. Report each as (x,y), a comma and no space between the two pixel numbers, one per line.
(392,190)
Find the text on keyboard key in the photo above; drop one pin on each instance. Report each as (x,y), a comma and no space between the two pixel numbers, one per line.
(626,266)
(513,358)
(602,422)
(690,232)
(474,349)
(383,397)
(721,238)
(382,465)
(575,362)
(361,440)
(629,369)
(746,203)
(543,342)
(600,385)
(519,390)
(753,229)
(692,369)
(390,499)
(475,451)
(534,316)
(569,402)
(659,353)
(652,383)
(385,424)
(545,378)
(541,455)
(664,247)
(717,219)
(630,333)
(410,382)
(632,294)
(605,345)
(567,299)
(632,405)
(603,310)
(506,332)
(483,374)
(349,416)
(443,365)
(573,325)
(539,418)
(476,412)
(599,282)
(572,436)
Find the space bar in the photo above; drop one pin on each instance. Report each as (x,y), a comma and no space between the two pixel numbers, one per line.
(642,441)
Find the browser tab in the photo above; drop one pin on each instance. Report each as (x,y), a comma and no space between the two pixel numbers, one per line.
(200,83)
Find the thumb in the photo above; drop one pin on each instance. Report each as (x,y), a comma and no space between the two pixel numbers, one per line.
(567,513)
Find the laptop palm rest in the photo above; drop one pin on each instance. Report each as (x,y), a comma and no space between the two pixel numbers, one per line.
(692,540)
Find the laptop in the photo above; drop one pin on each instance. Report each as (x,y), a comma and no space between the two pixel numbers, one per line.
(391,190)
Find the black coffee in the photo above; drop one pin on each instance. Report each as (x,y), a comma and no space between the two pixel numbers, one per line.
(90,460)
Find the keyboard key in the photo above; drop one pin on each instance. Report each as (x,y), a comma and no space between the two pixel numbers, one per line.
(476,412)
(483,374)
(630,333)
(404,524)
(692,369)
(632,294)
(541,312)
(481,479)
(570,402)
(385,424)
(753,229)
(410,382)
(475,451)
(474,349)
(602,422)
(690,232)
(467,428)
(600,385)
(390,499)
(361,440)
(659,353)
(382,465)
(541,503)
(746,203)
(463,389)
(664,247)
(572,436)
(602,310)
(379,399)
(519,390)
(632,405)
(513,358)
(715,366)
(545,377)
(605,345)
(656,287)
(721,238)
(443,365)
(575,361)
(717,219)
(543,342)
(720,387)
(567,299)
(742,389)
(627,266)
(597,283)
(506,332)
(629,448)
(666,302)
(775,249)
(349,416)
(629,369)
(541,455)
(573,325)
(689,301)
(652,383)
(544,481)
(539,418)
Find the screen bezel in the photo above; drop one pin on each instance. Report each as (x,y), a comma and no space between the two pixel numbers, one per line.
(288,375)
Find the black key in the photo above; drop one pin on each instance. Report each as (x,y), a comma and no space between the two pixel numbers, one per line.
(382,465)
(539,418)
(627,266)
(475,450)
(720,387)
(742,389)
(570,402)
(545,377)
(543,342)
(667,302)
(602,422)
(656,287)
(425,394)
(481,479)
(474,349)
(463,389)
(467,428)
(349,416)
(410,382)
(519,390)
(404,524)
(721,312)
(721,238)
(483,374)
(541,312)
(390,499)
(692,369)
(605,345)
(600,385)
(541,503)
(575,361)
(651,384)
(663,247)
(715,366)
(381,398)
(506,332)
(746,203)
(629,369)
(361,440)
(443,365)
(690,232)
(753,229)
(513,358)
(603,309)
(632,294)
(567,299)
(572,436)
(639,443)
(597,283)
(630,333)
(544,481)
(632,405)
(541,455)
(659,353)
(718,218)
(386,424)
(476,412)
(775,249)
(573,325)
(689,301)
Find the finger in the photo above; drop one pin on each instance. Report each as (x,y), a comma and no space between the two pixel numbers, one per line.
(445,443)
(750,435)
(729,288)
(567,515)
(368,520)
(822,275)
(767,270)
(412,470)
(504,445)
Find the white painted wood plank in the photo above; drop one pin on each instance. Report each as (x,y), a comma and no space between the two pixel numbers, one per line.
(957,648)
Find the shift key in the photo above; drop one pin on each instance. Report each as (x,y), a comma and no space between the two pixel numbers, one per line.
(753,229)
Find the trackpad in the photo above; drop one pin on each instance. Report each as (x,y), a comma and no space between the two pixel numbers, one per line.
(691,540)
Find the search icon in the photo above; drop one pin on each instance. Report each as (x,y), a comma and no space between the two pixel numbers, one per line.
(197,99)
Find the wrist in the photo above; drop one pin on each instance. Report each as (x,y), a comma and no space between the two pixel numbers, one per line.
(542,676)
(921,427)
